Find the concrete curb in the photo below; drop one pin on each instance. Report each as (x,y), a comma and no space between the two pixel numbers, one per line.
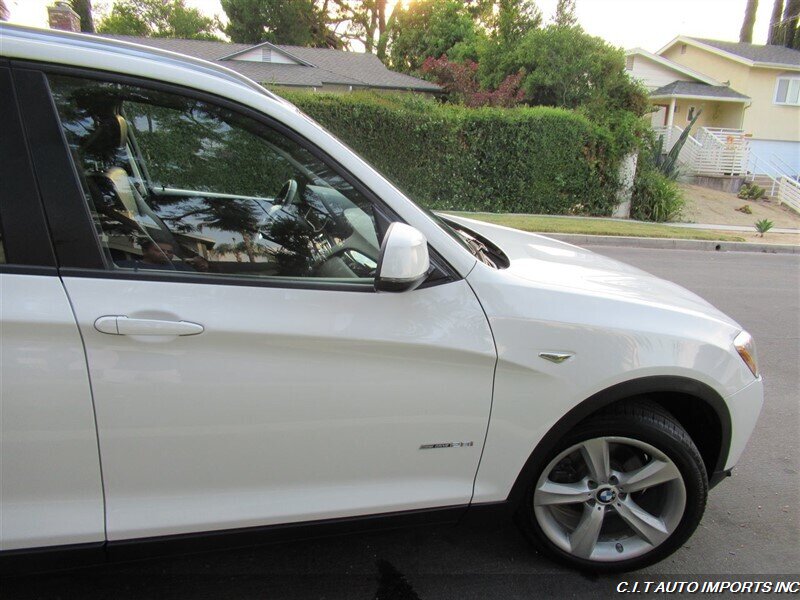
(671,244)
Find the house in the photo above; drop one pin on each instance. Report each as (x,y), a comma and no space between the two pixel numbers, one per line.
(749,95)
(316,69)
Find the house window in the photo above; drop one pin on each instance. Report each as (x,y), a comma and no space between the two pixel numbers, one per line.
(629,62)
(690,114)
(683,48)
(787,91)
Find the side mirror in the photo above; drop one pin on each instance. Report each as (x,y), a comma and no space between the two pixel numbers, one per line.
(404,262)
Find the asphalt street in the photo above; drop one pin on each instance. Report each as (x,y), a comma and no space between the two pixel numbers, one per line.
(751,525)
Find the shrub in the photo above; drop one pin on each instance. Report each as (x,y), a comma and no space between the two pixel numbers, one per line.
(530,160)
(655,196)
(751,191)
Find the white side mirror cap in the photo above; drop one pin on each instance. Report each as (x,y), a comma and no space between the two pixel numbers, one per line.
(404,262)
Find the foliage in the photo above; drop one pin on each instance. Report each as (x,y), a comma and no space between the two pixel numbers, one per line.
(564,67)
(531,160)
(751,191)
(655,196)
(667,163)
(157,18)
(460,83)
(292,22)
(745,209)
(84,10)
(565,13)
(513,19)
(364,20)
(763,226)
(430,28)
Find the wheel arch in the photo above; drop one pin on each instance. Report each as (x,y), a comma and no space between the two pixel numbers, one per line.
(694,405)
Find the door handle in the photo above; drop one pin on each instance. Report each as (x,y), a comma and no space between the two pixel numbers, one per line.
(122,325)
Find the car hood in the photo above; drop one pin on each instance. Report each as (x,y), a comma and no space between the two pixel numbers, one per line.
(552,264)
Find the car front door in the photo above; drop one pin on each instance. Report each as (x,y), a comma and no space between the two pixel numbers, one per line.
(244,371)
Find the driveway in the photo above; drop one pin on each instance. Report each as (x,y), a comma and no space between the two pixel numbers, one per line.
(751,525)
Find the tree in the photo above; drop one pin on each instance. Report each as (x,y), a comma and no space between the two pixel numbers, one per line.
(746,34)
(84,10)
(158,18)
(364,21)
(565,13)
(515,18)
(291,22)
(789,24)
(774,34)
(566,67)
(430,28)
(3,11)
(461,85)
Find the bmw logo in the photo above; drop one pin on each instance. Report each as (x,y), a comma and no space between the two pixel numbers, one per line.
(606,496)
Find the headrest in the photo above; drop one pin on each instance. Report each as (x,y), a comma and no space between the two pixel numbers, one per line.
(110,134)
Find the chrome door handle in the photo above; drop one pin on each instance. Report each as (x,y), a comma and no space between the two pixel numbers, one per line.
(122,325)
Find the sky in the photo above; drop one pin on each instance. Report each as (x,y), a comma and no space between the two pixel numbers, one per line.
(647,24)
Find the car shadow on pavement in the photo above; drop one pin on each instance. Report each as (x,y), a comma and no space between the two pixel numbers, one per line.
(464,561)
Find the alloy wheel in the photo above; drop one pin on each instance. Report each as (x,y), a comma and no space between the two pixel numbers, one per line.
(609,499)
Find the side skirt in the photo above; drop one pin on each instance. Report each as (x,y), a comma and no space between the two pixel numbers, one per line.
(57,558)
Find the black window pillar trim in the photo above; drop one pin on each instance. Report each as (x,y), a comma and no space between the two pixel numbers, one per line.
(76,245)
(25,237)
(74,237)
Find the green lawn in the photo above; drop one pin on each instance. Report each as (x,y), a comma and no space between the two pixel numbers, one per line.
(590,226)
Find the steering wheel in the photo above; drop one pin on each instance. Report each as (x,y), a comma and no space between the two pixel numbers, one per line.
(287,195)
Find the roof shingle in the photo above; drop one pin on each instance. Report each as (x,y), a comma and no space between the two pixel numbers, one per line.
(335,67)
(778,55)
(692,88)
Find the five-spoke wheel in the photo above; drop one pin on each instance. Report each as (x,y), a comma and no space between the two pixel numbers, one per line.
(622,490)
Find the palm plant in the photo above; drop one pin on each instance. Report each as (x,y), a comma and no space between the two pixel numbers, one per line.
(763,226)
(667,163)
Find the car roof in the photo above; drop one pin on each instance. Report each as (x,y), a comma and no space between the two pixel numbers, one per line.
(63,39)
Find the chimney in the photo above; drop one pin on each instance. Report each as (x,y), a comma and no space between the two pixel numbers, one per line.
(62,16)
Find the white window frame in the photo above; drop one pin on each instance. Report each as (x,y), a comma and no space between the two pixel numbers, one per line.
(789,79)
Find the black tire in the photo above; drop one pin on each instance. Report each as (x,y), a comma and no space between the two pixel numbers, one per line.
(649,423)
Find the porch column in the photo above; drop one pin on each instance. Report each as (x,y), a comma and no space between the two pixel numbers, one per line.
(671,114)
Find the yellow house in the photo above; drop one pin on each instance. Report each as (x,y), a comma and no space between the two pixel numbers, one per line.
(746,91)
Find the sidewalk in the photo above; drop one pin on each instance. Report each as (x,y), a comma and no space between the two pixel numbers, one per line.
(740,228)
(578,239)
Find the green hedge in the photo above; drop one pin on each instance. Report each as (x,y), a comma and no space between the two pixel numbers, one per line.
(531,160)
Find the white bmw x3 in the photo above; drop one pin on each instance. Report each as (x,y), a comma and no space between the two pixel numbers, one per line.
(216,318)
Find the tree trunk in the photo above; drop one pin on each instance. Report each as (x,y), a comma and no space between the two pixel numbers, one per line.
(84,10)
(746,35)
(774,35)
(3,11)
(789,26)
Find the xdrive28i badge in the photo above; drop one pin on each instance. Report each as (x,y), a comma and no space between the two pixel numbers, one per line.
(446,445)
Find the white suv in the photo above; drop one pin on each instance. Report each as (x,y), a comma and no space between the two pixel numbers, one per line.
(216,317)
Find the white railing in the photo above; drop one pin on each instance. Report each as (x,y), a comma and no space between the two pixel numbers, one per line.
(777,160)
(712,151)
(724,152)
(760,168)
(789,193)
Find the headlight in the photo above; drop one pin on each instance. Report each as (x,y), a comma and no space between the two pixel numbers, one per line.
(746,348)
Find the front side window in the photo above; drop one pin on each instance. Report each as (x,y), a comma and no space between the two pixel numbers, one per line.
(178,184)
(788,91)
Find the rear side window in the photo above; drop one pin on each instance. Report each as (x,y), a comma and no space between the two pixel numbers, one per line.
(175,183)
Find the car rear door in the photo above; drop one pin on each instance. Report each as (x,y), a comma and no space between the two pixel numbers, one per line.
(228,396)
(50,483)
